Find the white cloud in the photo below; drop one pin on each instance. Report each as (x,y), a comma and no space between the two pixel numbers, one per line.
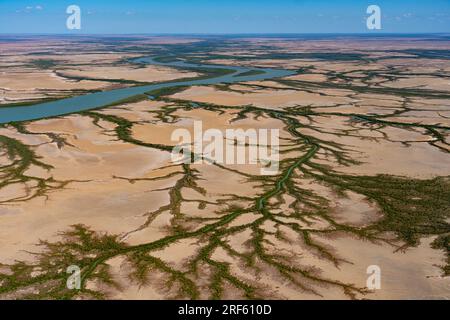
(29,9)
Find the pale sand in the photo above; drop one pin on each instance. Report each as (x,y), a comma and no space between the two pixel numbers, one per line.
(118,206)
(35,80)
(146,74)
(99,201)
(413,274)
(18,86)
(431,83)
(309,77)
(421,160)
(259,98)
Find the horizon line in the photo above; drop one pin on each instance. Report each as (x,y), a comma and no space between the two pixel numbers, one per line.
(222,33)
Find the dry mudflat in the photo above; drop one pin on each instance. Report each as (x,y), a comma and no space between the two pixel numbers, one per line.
(225,231)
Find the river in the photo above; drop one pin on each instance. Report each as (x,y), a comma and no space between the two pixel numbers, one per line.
(100,99)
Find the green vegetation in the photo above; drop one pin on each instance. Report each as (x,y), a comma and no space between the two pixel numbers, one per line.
(15,172)
(165,59)
(29,103)
(133,99)
(410,209)
(250,73)
(119,81)
(43,63)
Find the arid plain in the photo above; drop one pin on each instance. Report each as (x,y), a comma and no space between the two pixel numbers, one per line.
(364,173)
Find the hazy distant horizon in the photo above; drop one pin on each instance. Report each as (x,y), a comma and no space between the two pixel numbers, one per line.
(366,34)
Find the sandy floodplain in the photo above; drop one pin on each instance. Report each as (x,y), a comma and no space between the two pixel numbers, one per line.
(363,177)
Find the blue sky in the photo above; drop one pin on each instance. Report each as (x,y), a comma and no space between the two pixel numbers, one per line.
(209,16)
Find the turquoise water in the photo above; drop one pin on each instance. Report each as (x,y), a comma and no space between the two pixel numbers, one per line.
(99,99)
